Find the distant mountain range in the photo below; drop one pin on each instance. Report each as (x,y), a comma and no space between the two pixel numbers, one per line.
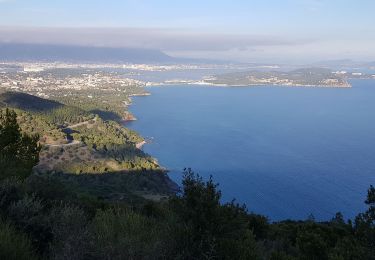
(71,53)
(344,63)
(39,52)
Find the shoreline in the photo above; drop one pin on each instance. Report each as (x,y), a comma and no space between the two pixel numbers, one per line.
(140,144)
(173,186)
(207,84)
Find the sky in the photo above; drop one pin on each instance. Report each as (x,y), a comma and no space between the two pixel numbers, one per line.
(242,30)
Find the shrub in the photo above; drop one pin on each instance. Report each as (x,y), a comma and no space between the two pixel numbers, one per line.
(14,245)
(124,234)
(10,191)
(28,215)
(71,238)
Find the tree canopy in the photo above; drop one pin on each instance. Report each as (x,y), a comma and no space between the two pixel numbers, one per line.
(19,152)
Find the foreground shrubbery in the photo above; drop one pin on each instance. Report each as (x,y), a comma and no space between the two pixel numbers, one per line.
(42,217)
(40,222)
(13,244)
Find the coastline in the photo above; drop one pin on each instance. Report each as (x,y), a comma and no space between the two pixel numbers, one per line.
(209,84)
(173,187)
(140,144)
(128,116)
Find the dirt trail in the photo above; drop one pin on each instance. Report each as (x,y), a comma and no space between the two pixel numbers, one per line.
(74,142)
(81,124)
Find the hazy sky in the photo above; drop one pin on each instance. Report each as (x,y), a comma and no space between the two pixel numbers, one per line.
(246,30)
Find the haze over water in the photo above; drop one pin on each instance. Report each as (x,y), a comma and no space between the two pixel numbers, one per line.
(285,152)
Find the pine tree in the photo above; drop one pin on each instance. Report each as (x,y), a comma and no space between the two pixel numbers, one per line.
(19,153)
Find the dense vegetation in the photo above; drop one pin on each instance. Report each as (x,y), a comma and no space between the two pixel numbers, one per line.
(74,138)
(52,111)
(43,216)
(18,152)
(108,105)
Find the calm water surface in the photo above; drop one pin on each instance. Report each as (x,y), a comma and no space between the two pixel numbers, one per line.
(285,152)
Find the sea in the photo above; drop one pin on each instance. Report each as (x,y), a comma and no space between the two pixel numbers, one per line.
(285,152)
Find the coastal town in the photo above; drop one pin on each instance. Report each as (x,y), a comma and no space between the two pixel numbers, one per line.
(45,81)
(103,82)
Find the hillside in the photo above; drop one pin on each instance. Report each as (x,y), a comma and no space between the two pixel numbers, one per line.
(78,142)
(28,102)
(52,111)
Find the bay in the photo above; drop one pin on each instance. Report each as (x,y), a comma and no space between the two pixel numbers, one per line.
(285,152)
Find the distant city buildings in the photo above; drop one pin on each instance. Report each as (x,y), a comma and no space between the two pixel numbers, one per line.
(41,79)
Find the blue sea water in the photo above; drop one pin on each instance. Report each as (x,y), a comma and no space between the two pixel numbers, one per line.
(285,152)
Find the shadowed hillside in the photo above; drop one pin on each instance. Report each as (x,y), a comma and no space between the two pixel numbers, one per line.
(28,102)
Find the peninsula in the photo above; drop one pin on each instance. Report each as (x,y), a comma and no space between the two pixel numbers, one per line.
(309,77)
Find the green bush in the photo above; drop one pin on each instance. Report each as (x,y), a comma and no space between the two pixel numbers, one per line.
(10,191)
(124,234)
(71,237)
(29,215)
(14,245)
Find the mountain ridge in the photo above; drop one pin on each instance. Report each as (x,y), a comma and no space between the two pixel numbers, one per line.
(75,53)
